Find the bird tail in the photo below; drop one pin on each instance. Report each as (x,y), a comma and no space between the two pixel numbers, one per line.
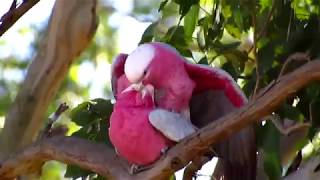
(234,171)
(238,159)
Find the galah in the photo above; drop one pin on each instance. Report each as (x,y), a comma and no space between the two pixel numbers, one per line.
(131,126)
(210,93)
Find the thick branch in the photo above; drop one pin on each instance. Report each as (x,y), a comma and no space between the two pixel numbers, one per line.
(71,28)
(14,14)
(263,104)
(102,160)
(88,155)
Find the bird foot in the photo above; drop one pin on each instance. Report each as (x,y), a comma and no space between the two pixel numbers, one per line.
(138,168)
(164,150)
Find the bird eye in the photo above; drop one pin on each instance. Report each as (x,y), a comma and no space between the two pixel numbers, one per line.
(144,72)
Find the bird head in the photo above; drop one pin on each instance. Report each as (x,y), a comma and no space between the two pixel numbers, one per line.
(152,63)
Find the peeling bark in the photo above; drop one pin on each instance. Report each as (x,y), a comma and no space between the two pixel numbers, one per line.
(72,26)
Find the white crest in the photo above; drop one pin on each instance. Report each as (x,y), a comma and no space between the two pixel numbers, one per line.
(138,61)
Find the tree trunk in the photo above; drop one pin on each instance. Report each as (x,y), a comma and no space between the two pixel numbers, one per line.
(72,26)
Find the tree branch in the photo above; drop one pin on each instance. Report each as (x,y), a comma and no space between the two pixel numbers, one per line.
(72,26)
(70,150)
(14,14)
(263,104)
(102,160)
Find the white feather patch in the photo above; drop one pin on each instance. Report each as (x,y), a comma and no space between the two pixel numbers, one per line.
(173,125)
(138,61)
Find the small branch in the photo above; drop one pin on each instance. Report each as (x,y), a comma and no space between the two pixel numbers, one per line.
(191,169)
(294,57)
(54,117)
(204,10)
(255,39)
(263,29)
(14,13)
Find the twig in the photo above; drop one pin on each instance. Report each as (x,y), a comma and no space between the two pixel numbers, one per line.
(14,13)
(204,10)
(254,22)
(54,117)
(263,29)
(294,57)
(194,166)
(286,130)
(256,38)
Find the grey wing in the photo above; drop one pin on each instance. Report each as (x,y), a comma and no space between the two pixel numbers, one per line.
(172,125)
(238,153)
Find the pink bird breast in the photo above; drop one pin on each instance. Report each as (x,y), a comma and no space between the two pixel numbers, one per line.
(130,132)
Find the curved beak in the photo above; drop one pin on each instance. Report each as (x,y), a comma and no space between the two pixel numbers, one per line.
(135,86)
(143,89)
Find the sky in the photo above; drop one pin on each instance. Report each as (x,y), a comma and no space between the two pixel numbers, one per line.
(128,38)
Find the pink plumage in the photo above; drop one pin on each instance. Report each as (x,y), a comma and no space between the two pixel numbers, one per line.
(130,132)
(179,85)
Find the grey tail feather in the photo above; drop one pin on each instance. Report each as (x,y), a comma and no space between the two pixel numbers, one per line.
(236,171)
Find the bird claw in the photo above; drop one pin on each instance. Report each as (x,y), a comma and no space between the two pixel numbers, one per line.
(164,150)
(134,169)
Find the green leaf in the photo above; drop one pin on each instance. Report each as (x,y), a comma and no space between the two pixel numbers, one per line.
(173,177)
(293,113)
(175,37)
(148,34)
(271,149)
(5,101)
(238,18)
(81,115)
(222,48)
(101,107)
(233,30)
(315,113)
(230,69)
(266,55)
(190,21)
(313,90)
(162,5)
(76,172)
(95,125)
(265,4)
(86,112)
(203,60)
(99,178)
(184,6)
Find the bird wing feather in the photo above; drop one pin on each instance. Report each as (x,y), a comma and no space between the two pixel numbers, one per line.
(172,125)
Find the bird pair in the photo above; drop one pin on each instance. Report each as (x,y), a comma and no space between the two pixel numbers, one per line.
(161,98)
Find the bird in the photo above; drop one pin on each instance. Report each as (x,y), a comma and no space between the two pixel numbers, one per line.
(132,130)
(200,93)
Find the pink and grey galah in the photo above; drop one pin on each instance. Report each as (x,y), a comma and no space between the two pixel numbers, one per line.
(200,93)
(133,125)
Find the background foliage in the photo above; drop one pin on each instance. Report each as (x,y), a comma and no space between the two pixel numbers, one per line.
(250,39)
